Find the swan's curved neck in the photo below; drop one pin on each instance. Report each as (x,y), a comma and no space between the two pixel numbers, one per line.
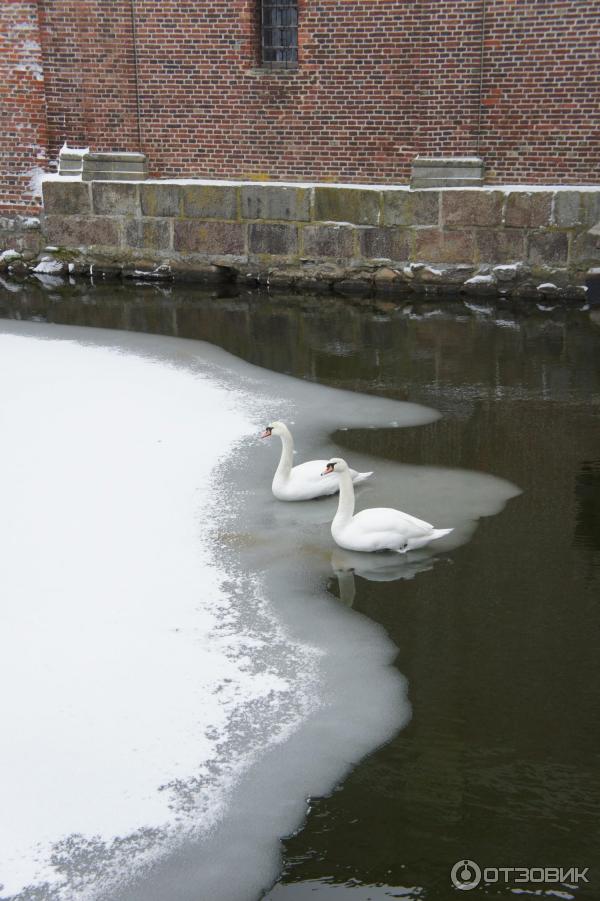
(287,455)
(345,510)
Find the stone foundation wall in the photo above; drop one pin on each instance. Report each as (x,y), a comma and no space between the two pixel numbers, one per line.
(21,239)
(513,240)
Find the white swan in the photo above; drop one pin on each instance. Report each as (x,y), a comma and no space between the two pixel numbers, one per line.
(303,482)
(377,529)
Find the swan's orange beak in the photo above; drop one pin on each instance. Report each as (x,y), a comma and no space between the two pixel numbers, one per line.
(266,433)
(328,470)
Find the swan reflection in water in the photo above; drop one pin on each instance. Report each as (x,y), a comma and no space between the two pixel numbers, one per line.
(380,567)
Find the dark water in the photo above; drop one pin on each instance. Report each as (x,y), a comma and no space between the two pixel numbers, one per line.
(500,763)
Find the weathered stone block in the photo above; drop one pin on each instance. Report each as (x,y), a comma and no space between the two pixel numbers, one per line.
(356,205)
(385,243)
(336,241)
(472,207)
(411,207)
(277,240)
(152,234)
(274,202)
(66,198)
(445,182)
(591,205)
(547,248)
(500,245)
(433,245)
(79,231)
(523,209)
(114,166)
(210,201)
(31,241)
(576,208)
(585,250)
(70,162)
(221,238)
(160,200)
(433,172)
(115,198)
(568,209)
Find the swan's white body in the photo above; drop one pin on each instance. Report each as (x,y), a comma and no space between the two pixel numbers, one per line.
(302,482)
(376,529)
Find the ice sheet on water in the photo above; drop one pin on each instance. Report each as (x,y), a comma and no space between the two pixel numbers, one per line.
(165,630)
(120,681)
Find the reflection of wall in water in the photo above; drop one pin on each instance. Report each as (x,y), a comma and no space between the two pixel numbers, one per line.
(587,493)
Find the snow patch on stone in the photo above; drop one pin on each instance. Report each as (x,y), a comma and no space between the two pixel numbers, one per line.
(49,267)
(479,281)
(7,256)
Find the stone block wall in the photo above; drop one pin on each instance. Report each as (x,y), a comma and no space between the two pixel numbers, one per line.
(368,238)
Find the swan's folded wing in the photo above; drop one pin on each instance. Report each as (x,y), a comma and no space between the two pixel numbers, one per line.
(305,481)
(386,519)
(311,470)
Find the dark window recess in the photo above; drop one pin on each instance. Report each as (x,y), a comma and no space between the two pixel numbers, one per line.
(279,33)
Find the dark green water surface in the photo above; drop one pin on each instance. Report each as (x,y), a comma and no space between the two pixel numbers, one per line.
(500,643)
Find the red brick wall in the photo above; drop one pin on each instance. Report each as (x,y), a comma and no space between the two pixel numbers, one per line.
(345,114)
(22,107)
(541,97)
(379,81)
(448,40)
(90,73)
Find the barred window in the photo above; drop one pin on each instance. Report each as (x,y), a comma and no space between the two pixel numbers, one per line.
(279,33)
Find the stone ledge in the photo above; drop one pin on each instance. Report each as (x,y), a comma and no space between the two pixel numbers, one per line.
(444,172)
(113,166)
(357,229)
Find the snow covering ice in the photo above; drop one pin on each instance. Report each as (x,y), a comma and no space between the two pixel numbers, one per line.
(118,683)
(177,682)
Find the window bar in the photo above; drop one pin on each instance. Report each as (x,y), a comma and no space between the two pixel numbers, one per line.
(279,33)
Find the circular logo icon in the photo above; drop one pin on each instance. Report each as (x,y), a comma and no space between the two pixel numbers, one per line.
(465,875)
